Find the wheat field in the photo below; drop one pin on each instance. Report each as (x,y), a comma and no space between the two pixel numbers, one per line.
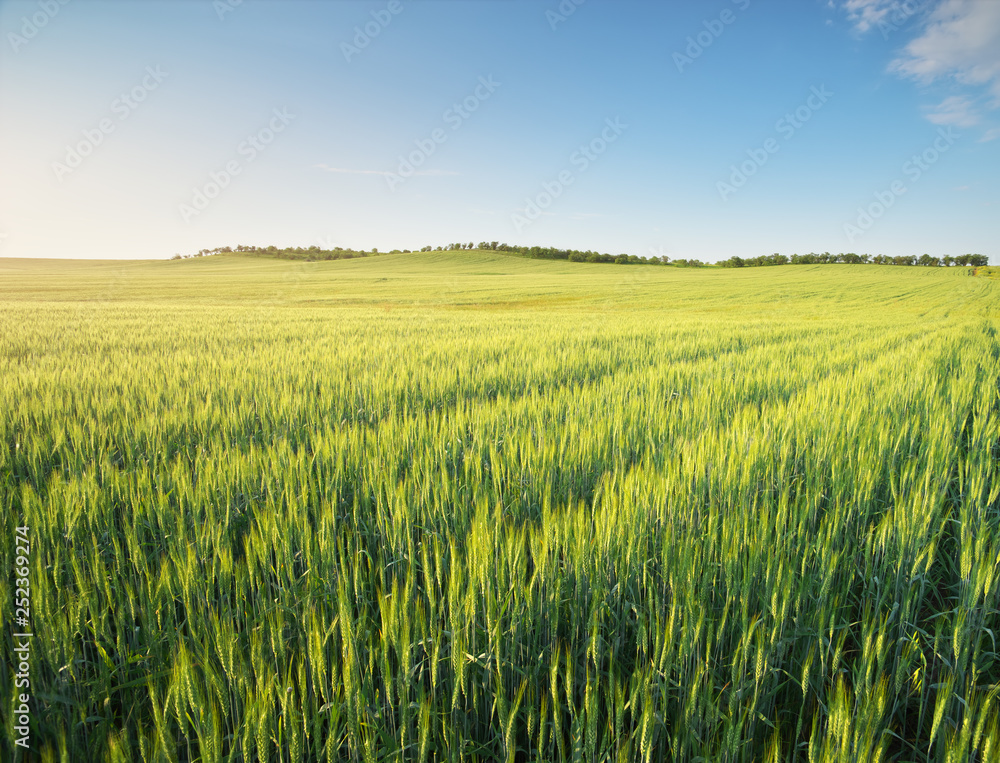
(468,507)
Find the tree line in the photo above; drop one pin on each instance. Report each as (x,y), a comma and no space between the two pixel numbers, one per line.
(925,260)
(311,253)
(315,253)
(554,253)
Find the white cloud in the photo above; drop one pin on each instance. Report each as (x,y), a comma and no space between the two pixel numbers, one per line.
(956,110)
(865,14)
(957,43)
(961,40)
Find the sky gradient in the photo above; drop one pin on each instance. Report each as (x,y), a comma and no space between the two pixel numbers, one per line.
(706,130)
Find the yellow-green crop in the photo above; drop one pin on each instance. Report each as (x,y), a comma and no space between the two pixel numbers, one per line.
(470,507)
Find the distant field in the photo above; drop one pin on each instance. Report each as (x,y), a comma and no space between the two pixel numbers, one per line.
(468,278)
(465,506)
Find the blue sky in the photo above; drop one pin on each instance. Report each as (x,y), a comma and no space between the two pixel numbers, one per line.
(695,129)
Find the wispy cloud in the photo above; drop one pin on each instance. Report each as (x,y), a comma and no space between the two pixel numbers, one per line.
(865,14)
(956,42)
(344,171)
(956,110)
(383,173)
